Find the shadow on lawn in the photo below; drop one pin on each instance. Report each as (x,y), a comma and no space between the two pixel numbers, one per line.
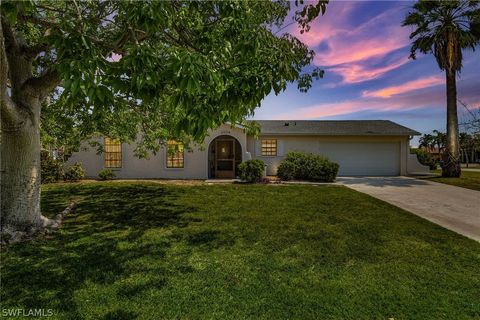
(87,249)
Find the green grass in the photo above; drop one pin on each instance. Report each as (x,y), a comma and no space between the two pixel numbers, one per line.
(468,179)
(150,251)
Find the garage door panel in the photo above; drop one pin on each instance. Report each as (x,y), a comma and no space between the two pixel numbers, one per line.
(364,158)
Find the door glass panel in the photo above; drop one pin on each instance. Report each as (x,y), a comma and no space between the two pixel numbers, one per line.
(225,150)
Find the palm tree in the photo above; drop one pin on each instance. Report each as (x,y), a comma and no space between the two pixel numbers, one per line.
(427,142)
(439,141)
(445,28)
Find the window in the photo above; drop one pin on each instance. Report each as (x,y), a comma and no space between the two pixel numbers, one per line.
(175,152)
(269,147)
(113,153)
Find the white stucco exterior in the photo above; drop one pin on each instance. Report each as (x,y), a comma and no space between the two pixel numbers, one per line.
(356,155)
(155,167)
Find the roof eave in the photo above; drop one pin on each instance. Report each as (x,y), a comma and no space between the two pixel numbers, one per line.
(337,134)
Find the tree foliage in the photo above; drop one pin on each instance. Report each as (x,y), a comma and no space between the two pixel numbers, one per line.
(469,143)
(51,168)
(471,119)
(435,141)
(425,158)
(440,24)
(445,29)
(166,69)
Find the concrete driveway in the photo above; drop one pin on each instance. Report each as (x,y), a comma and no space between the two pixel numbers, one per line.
(454,208)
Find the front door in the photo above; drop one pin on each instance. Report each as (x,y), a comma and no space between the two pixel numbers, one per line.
(225,158)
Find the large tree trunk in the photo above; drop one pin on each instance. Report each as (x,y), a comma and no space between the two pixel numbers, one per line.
(20,175)
(21,96)
(451,166)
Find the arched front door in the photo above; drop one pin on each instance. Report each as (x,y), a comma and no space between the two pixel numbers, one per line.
(225,154)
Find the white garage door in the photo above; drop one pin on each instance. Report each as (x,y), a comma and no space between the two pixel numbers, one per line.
(364,158)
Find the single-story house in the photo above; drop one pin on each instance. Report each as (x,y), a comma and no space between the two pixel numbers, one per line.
(360,147)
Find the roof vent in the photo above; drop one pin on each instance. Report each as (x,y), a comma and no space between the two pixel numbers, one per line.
(286,124)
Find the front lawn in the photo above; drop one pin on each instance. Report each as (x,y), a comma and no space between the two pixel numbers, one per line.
(148,251)
(468,179)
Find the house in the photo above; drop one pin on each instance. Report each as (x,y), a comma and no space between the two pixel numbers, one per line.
(436,153)
(360,147)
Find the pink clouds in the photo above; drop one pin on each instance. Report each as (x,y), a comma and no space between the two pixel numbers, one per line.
(417,84)
(409,102)
(327,26)
(391,99)
(364,51)
(356,53)
(361,44)
(359,71)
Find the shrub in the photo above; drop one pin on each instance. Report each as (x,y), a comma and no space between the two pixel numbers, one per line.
(307,166)
(425,158)
(251,170)
(51,170)
(286,170)
(74,173)
(106,174)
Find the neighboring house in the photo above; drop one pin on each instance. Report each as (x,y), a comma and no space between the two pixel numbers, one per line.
(434,152)
(360,147)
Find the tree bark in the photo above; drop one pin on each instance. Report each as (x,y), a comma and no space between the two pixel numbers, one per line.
(20,171)
(20,134)
(451,166)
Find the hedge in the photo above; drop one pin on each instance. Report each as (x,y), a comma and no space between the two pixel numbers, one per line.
(307,166)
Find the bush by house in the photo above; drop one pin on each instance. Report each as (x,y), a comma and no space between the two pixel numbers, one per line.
(307,166)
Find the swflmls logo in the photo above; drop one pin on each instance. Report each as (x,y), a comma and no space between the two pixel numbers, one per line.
(19,312)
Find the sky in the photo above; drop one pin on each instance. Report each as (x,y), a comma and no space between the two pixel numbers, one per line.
(364,51)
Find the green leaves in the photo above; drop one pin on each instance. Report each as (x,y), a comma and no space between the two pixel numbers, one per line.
(444,28)
(309,12)
(13,9)
(181,67)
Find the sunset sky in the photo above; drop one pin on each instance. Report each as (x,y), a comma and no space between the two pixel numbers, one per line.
(364,51)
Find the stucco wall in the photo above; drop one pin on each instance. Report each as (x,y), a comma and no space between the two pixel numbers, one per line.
(195,161)
(415,167)
(318,144)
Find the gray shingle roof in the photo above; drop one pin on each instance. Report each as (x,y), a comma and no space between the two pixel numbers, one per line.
(334,128)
